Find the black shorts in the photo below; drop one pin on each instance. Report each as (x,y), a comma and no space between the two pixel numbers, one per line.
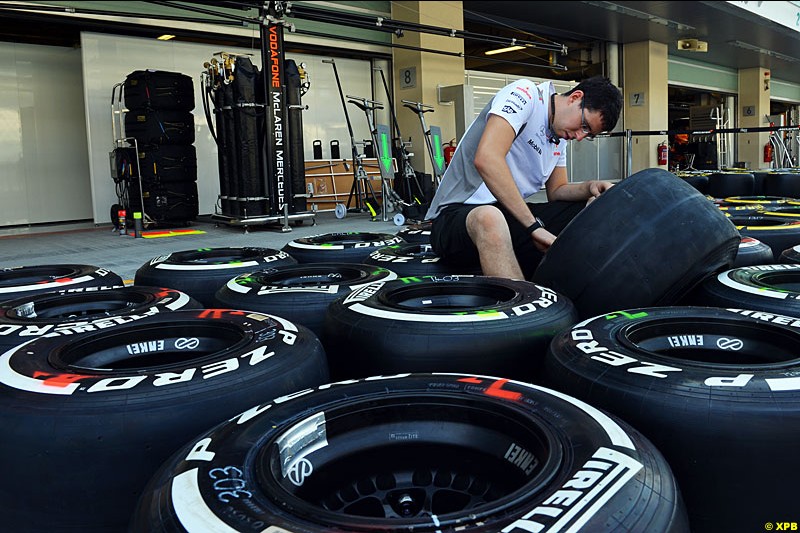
(451,242)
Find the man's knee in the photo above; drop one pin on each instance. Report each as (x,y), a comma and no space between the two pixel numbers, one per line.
(486,219)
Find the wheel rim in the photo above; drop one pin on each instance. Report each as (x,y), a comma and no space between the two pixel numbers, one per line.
(421,475)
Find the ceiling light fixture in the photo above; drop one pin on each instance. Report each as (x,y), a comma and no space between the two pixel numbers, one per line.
(611,6)
(763,51)
(165,37)
(502,50)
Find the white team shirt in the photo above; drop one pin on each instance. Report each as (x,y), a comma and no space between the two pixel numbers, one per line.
(532,157)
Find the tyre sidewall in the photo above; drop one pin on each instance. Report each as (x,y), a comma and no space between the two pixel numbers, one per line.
(584,429)
(54,278)
(198,274)
(347,247)
(516,329)
(304,304)
(19,323)
(667,399)
(87,420)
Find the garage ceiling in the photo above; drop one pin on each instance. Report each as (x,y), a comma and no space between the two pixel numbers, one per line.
(584,26)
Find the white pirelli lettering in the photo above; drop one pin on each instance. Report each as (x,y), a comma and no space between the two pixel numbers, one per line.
(192,511)
(571,507)
(652,369)
(725,279)
(53,285)
(168,378)
(26,331)
(206,266)
(783,384)
(588,345)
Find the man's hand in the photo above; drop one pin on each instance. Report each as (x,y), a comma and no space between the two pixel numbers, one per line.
(577,191)
(596,188)
(542,239)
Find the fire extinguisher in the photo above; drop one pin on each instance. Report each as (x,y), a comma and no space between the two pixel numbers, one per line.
(768,153)
(449,150)
(662,152)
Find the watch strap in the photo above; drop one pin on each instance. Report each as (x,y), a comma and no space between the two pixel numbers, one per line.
(536,225)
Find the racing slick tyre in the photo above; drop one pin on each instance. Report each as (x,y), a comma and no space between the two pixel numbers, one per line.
(789,209)
(413,259)
(770,288)
(727,184)
(742,209)
(715,390)
(83,309)
(791,255)
(18,282)
(417,233)
(766,201)
(349,247)
(753,252)
(200,273)
(416,453)
(785,184)
(699,182)
(673,238)
(94,415)
(454,323)
(776,231)
(300,293)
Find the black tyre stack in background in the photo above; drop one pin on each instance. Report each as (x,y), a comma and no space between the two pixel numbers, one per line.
(159,118)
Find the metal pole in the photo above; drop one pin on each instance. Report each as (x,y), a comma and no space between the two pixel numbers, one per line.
(629,160)
(276,149)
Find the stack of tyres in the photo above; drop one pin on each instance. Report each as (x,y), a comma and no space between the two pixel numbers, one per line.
(162,166)
(158,164)
(158,89)
(167,204)
(168,163)
(160,126)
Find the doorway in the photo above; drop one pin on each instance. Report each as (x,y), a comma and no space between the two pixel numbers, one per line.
(691,113)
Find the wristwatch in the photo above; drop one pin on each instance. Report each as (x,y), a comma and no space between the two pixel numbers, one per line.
(536,225)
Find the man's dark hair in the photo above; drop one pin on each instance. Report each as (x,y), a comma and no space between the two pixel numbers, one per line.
(599,94)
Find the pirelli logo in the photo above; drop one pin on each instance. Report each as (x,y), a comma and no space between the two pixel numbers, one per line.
(579,499)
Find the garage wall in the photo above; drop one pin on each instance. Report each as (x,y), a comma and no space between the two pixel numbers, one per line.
(108,59)
(691,73)
(784,91)
(43,159)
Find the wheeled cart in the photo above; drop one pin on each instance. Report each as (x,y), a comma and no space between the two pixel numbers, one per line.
(286,220)
(257,125)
